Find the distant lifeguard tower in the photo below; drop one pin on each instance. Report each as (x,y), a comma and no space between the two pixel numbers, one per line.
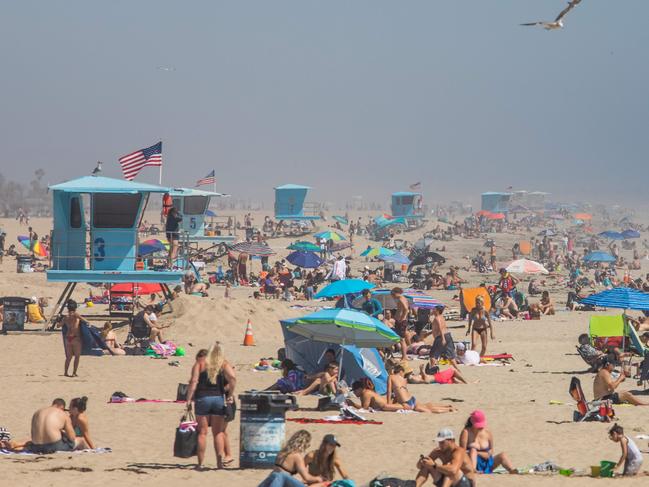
(409,206)
(495,202)
(290,204)
(193,205)
(95,235)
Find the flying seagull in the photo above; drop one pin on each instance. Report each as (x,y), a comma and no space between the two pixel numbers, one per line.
(558,22)
(97,170)
(166,68)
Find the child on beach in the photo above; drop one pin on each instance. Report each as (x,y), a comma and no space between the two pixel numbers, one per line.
(631,457)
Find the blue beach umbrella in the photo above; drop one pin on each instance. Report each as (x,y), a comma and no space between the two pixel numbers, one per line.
(599,256)
(395,258)
(619,297)
(630,233)
(611,235)
(345,286)
(306,260)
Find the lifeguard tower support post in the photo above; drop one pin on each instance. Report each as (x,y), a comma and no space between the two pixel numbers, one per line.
(408,205)
(95,235)
(193,205)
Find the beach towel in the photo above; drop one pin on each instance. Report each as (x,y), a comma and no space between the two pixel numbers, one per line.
(166,349)
(331,420)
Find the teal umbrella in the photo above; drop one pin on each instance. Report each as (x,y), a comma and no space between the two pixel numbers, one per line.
(341,219)
(329,235)
(376,252)
(303,246)
(343,287)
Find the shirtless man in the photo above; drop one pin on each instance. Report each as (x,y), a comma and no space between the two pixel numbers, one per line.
(443,345)
(401,318)
(455,468)
(398,393)
(72,340)
(604,385)
(52,429)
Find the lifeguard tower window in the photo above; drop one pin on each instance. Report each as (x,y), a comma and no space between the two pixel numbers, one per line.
(115,210)
(75,213)
(407,200)
(195,205)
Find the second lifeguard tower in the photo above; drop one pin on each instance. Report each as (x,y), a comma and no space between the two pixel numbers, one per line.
(193,205)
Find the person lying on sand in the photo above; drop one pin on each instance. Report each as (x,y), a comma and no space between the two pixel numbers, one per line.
(430,373)
(364,390)
(398,393)
(604,385)
(448,464)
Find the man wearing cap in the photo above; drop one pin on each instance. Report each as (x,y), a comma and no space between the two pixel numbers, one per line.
(466,357)
(454,468)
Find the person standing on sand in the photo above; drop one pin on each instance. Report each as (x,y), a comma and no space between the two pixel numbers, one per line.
(443,345)
(72,340)
(172,229)
(401,318)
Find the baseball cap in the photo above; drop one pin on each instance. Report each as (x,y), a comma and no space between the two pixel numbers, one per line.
(478,419)
(330,439)
(445,434)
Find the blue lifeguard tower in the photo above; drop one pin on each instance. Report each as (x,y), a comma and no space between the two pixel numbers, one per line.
(95,235)
(290,205)
(409,206)
(193,205)
(495,202)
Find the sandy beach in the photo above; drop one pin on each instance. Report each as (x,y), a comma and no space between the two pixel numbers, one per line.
(519,399)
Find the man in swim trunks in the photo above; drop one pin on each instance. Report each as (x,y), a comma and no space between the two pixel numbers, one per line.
(52,429)
(455,468)
(604,385)
(443,345)
(72,339)
(401,318)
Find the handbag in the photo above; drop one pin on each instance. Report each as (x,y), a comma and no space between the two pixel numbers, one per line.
(230,411)
(181,393)
(186,441)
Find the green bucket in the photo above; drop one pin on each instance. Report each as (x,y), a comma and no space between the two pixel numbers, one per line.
(606,468)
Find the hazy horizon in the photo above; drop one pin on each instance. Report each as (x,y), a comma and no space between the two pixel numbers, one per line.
(355,98)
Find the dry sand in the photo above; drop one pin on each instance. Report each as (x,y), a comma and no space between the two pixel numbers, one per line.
(516,399)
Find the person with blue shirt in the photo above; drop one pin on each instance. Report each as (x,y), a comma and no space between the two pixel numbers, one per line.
(371,306)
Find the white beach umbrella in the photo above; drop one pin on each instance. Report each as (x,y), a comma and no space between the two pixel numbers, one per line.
(525,266)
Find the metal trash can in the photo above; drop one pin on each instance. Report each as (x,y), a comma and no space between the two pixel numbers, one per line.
(263,422)
(23,263)
(13,311)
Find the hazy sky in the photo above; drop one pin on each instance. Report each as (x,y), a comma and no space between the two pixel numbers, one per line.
(351,97)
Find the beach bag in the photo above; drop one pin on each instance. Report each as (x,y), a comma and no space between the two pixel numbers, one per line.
(186,441)
(181,393)
(230,411)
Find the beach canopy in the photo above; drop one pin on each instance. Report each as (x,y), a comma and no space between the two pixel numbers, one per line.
(329,235)
(611,235)
(619,297)
(526,266)
(136,288)
(344,327)
(376,251)
(37,248)
(306,260)
(395,258)
(344,286)
(304,246)
(599,256)
(253,248)
(630,233)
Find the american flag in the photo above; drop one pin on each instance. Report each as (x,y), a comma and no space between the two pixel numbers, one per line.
(133,163)
(416,186)
(209,179)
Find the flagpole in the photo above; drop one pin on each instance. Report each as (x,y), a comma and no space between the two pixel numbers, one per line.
(160,174)
(214,172)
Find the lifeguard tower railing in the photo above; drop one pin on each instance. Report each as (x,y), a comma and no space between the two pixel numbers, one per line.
(123,262)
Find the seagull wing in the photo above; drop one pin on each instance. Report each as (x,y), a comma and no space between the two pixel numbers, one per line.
(571,4)
(532,23)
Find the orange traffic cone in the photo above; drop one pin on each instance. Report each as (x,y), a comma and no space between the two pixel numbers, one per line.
(248,339)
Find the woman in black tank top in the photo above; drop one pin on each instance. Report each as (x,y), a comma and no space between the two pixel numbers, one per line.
(212,386)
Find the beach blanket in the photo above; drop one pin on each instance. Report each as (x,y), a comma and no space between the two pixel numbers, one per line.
(166,349)
(76,452)
(123,400)
(331,420)
(500,356)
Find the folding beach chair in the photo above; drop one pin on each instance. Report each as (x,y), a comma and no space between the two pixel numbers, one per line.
(589,411)
(593,363)
(139,332)
(642,350)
